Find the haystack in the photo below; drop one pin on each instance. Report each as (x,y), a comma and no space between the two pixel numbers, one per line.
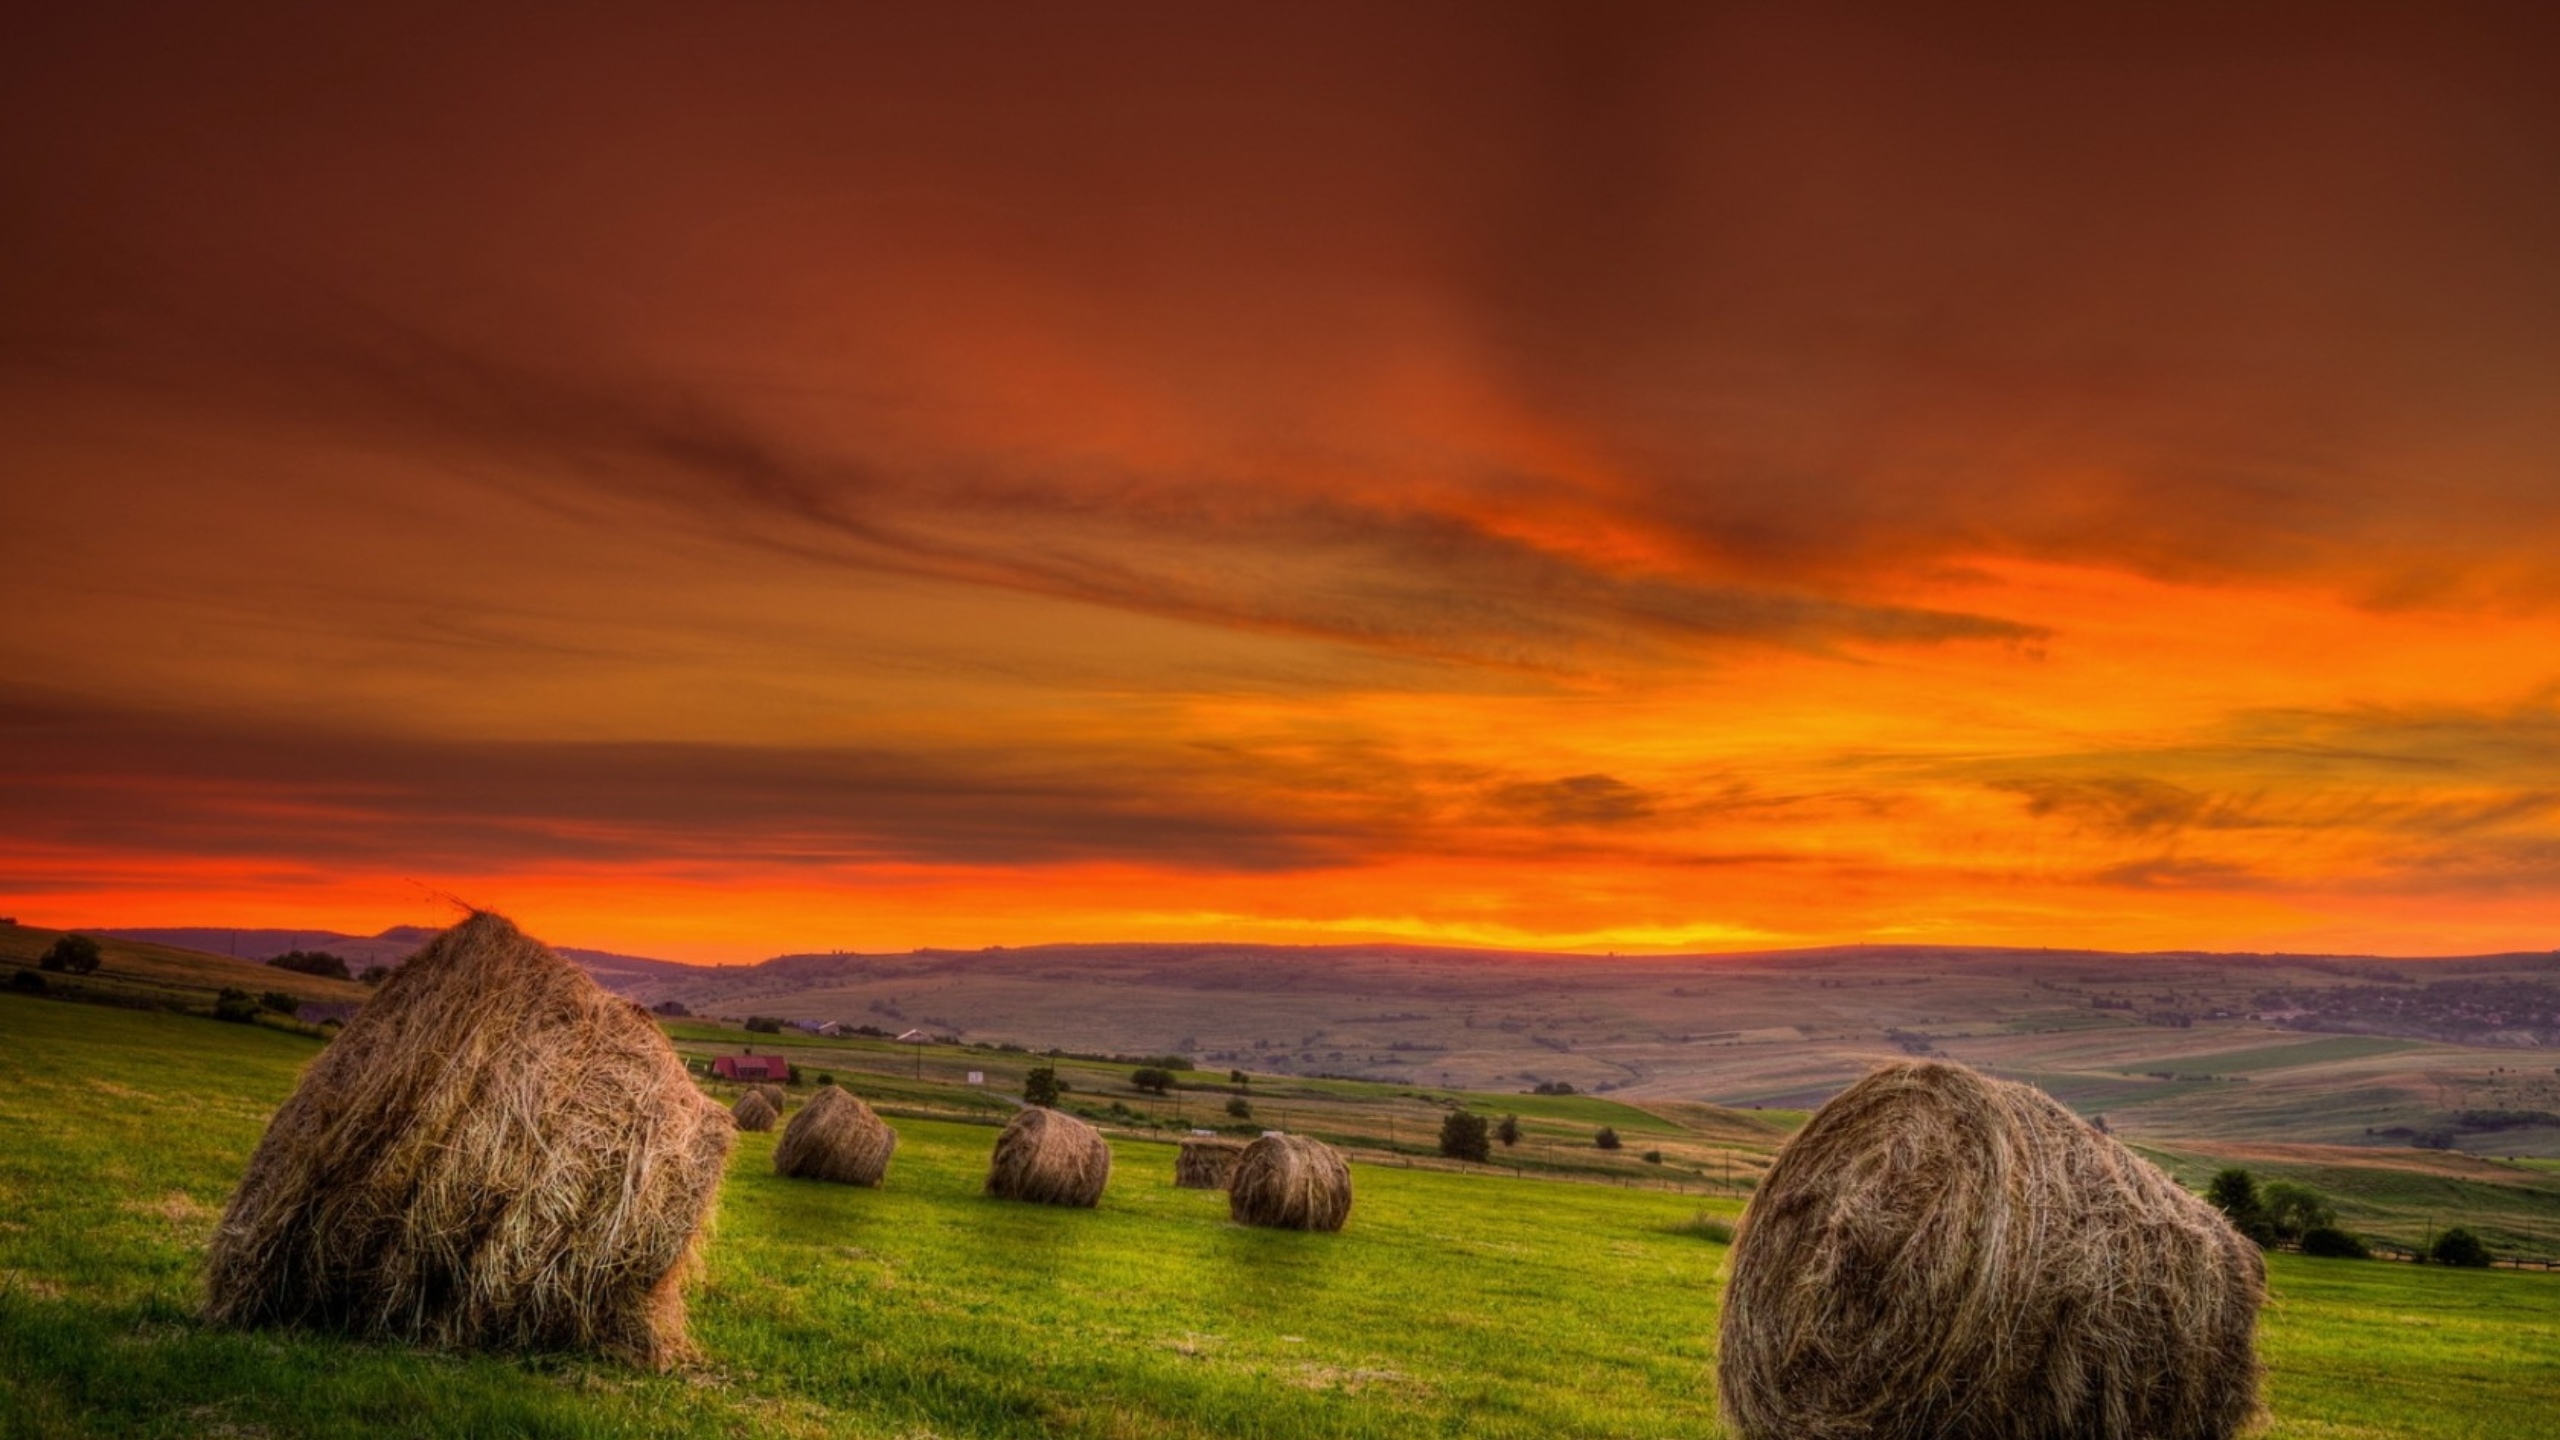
(494,1153)
(1290,1182)
(1945,1256)
(1205,1164)
(835,1137)
(1049,1158)
(772,1094)
(754,1112)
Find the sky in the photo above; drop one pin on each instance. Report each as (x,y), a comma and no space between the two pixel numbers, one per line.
(1591,477)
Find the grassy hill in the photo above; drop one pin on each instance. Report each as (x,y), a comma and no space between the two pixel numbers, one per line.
(1461,1304)
(140,972)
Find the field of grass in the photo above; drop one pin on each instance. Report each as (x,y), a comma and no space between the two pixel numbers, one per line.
(1455,1304)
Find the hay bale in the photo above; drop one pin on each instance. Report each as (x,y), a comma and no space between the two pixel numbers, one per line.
(494,1153)
(1050,1159)
(1204,1164)
(772,1094)
(835,1137)
(1941,1255)
(1290,1182)
(754,1112)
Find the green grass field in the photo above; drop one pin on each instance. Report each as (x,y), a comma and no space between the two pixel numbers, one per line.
(1455,1304)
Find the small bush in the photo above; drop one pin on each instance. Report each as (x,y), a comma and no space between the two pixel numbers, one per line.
(28,981)
(1553,1087)
(790,1074)
(1508,1131)
(1238,1077)
(237,1006)
(1706,1227)
(279,1002)
(70,955)
(673,1009)
(1153,1079)
(763,1025)
(1653,1157)
(373,974)
(1041,1087)
(1607,1139)
(2458,1246)
(825,1078)
(1465,1137)
(2330,1242)
(1239,1107)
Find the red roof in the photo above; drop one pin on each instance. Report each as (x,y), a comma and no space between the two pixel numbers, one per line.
(750,1067)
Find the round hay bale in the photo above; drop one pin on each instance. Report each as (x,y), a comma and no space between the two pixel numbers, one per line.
(754,1112)
(1940,1256)
(1050,1159)
(1290,1182)
(772,1094)
(494,1153)
(1205,1164)
(835,1137)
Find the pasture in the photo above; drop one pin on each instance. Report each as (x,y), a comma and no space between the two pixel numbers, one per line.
(1460,1304)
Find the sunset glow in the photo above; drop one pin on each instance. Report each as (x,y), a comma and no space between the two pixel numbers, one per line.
(863,480)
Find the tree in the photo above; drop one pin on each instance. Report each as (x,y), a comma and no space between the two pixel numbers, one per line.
(2458,1246)
(29,982)
(1508,1132)
(313,962)
(673,1009)
(2234,1192)
(1239,1107)
(1607,1139)
(71,955)
(2293,1211)
(279,1002)
(1653,1157)
(237,1006)
(763,1025)
(1152,1079)
(1465,1137)
(373,974)
(790,1074)
(1041,1086)
(1238,1077)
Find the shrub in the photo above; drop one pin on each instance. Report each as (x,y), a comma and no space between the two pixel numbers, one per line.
(373,974)
(279,1002)
(312,962)
(2458,1246)
(1239,1107)
(1607,1139)
(1041,1087)
(1653,1157)
(763,1025)
(2333,1243)
(28,981)
(1238,1077)
(790,1074)
(1465,1137)
(1553,1087)
(71,955)
(237,1006)
(1508,1132)
(1706,1227)
(674,1009)
(1153,1079)
(825,1078)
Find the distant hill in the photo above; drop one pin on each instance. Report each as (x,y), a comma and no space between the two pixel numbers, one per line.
(620,973)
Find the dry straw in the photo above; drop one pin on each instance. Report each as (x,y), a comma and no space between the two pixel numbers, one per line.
(754,1112)
(1939,1256)
(1205,1164)
(835,1137)
(772,1095)
(1290,1182)
(494,1153)
(1049,1158)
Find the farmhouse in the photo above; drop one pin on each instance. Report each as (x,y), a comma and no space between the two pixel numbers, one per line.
(751,1067)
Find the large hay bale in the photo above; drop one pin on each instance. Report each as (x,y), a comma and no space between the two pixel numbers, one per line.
(494,1153)
(835,1137)
(1049,1158)
(772,1094)
(1939,1256)
(1205,1164)
(754,1112)
(1290,1182)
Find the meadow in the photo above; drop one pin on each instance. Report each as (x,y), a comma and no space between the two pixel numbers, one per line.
(1460,1304)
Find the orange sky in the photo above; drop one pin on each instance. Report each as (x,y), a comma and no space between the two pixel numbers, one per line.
(1556,476)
